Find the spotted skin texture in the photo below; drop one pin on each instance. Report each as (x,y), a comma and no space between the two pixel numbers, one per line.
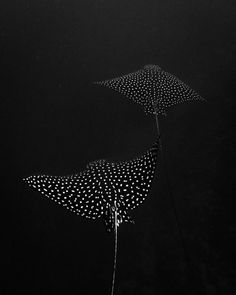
(153,88)
(93,192)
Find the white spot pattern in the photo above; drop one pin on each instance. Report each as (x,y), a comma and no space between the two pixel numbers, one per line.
(92,193)
(153,88)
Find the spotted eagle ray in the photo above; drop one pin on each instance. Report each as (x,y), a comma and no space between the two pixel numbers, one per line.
(156,90)
(153,88)
(104,190)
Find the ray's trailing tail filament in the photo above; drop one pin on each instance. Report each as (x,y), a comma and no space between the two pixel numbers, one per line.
(172,199)
(114,209)
(158,132)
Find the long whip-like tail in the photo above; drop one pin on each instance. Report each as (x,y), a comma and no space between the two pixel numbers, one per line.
(193,275)
(115,250)
(172,199)
(158,132)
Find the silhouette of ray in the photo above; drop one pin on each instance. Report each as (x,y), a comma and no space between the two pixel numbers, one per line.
(104,190)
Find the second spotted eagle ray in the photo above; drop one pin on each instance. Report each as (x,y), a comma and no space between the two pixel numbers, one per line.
(104,190)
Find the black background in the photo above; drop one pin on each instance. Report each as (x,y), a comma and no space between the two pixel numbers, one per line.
(55,121)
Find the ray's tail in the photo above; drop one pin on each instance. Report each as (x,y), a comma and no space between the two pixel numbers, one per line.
(171,195)
(192,274)
(158,132)
(115,250)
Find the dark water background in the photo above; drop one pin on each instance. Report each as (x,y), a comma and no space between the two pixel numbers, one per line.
(55,121)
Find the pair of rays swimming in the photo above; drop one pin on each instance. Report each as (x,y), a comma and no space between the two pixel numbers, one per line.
(109,191)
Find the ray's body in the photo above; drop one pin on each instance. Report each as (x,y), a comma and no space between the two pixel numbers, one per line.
(104,190)
(153,88)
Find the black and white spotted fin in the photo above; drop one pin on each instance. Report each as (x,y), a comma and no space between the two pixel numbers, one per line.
(78,193)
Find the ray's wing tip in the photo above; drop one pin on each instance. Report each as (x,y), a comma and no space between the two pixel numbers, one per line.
(202,99)
(26,179)
(199,98)
(32,178)
(156,145)
(98,82)
(155,148)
